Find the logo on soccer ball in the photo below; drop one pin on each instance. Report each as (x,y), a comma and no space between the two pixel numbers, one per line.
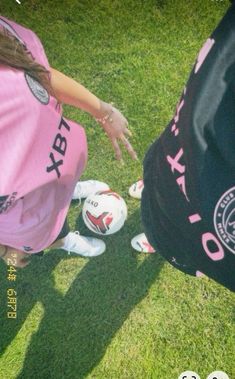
(101,223)
(224,219)
(37,89)
(104,212)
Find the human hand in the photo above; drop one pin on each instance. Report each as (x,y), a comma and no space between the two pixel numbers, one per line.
(116,127)
(15,257)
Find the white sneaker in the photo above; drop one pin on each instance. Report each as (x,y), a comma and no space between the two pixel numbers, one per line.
(141,244)
(136,189)
(88,187)
(84,246)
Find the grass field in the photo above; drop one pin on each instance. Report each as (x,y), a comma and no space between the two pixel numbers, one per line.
(122,315)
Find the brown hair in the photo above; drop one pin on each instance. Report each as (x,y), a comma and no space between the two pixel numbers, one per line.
(14,54)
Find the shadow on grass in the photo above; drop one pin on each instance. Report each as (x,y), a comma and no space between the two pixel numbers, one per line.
(77,327)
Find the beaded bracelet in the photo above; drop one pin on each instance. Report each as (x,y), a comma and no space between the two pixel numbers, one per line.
(5,252)
(106,118)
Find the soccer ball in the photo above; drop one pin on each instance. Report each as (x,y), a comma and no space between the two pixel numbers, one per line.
(104,212)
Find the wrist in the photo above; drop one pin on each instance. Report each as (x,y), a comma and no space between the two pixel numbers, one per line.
(105,113)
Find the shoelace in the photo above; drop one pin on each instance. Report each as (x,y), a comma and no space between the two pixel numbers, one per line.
(79,203)
(75,232)
(79,198)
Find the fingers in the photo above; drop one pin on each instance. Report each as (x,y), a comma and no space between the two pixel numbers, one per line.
(128,132)
(127,144)
(117,129)
(128,147)
(117,149)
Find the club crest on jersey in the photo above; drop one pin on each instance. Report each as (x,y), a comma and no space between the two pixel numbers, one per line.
(224,219)
(37,89)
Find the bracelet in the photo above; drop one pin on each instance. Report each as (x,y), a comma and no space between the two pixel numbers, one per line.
(106,118)
(5,252)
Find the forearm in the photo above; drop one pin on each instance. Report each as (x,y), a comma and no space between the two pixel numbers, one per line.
(69,91)
(115,125)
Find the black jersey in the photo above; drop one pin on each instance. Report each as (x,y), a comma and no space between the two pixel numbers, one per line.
(188,202)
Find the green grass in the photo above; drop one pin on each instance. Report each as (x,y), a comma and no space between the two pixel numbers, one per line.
(121,315)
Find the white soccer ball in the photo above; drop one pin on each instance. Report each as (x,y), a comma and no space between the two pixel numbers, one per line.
(104,212)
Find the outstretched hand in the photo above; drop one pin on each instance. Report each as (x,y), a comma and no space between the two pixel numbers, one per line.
(116,127)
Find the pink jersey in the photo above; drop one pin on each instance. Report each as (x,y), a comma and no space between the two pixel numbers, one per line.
(42,155)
